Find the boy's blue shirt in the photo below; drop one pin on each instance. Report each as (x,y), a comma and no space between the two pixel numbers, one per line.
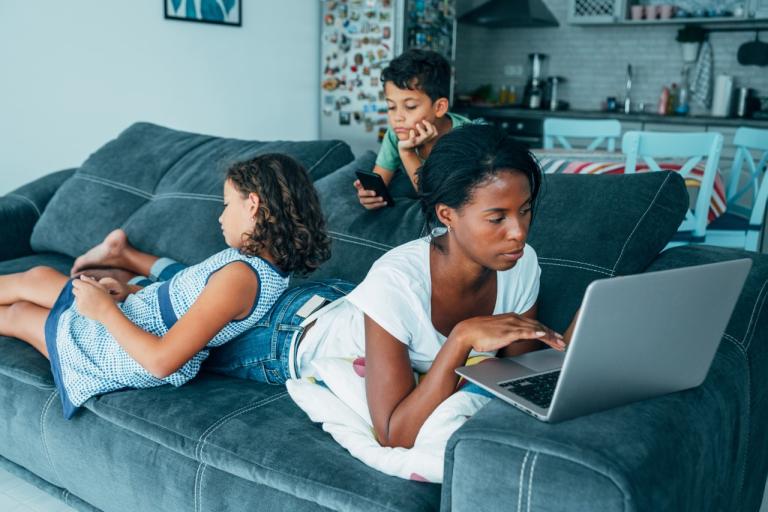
(389,157)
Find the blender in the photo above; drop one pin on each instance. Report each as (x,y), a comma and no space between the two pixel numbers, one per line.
(534,88)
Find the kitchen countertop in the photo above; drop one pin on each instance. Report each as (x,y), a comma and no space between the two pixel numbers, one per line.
(513,112)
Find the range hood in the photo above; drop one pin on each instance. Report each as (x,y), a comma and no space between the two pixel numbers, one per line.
(511,13)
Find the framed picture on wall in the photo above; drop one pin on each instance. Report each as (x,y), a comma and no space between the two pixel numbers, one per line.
(221,12)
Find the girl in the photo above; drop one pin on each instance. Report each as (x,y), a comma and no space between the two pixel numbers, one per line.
(160,334)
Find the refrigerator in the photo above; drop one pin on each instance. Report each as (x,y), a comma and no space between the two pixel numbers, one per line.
(359,38)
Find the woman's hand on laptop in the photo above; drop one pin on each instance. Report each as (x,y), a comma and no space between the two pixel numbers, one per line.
(491,333)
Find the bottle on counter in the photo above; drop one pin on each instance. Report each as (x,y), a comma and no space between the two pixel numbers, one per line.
(503,95)
(511,95)
(672,99)
(683,94)
(663,101)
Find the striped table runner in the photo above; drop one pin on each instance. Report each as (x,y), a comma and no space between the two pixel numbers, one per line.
(569,165)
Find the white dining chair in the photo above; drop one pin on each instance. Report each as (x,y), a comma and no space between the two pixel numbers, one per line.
(601,131)
(742,224)
(647,147)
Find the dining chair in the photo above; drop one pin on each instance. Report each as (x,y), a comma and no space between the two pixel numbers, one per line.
(646,147)
(600,130)
(742,224)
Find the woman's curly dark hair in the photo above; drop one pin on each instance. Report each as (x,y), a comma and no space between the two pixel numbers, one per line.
(289,223)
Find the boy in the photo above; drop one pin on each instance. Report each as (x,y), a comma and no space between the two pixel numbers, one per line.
(416,86)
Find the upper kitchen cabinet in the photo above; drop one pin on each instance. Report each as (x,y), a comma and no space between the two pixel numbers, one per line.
(595,11)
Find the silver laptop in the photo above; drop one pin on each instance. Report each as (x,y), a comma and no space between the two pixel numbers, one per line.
(637,337)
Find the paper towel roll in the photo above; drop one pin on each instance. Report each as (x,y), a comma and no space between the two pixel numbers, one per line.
(722,96)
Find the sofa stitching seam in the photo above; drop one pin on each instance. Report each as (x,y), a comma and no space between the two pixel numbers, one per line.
(541,258)
(359,243)
(43,413)
(198,492)
(353,237)
(521,482)
(202,440)
(27,201)
(752,325)
(738,343)
(114,184)
(581,267)
(639,221)
(185,195)
(328,152)
(530,480)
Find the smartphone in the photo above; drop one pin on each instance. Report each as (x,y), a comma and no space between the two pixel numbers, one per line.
(372,181)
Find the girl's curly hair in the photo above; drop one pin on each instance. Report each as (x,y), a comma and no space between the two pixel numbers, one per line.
(289,223)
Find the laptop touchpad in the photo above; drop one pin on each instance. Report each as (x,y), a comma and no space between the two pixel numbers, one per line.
(541,360)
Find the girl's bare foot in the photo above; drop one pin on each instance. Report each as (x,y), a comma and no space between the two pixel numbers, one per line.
(108,253)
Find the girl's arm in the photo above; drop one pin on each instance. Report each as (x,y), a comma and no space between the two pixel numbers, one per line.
(398,407)
(229,295)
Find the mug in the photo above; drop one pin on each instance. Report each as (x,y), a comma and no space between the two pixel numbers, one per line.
(650,12)
(665,11)
(637,12)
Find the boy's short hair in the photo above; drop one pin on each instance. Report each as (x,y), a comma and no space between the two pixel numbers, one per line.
(422,70)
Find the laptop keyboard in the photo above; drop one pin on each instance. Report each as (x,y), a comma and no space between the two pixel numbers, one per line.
(537,389)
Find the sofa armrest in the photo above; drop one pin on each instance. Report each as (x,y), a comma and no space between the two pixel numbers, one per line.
(699,449)
(20,209)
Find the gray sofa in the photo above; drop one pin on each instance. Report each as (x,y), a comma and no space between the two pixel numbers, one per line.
(221,444)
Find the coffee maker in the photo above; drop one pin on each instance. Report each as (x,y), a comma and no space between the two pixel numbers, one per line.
(534,88)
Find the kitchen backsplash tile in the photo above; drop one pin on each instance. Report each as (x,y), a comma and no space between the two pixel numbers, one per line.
(594,59)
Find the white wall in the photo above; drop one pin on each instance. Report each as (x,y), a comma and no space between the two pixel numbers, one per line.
(74,74)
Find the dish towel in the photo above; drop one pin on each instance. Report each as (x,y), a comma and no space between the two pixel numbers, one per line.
(701,85)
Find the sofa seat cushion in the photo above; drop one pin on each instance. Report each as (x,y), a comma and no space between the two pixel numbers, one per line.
(257,433)
(164,187)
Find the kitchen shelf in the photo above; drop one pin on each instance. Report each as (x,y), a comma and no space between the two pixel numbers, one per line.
(698,21)
(736,23)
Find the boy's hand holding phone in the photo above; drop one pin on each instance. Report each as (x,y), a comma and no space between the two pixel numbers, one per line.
(424,132)
(368,198)
(372,191)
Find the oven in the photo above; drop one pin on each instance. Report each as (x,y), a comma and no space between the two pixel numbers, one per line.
(529,131)
(525,126)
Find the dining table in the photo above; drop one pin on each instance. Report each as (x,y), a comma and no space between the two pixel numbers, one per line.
(576,161)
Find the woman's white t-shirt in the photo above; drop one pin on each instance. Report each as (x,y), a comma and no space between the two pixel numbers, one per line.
(396,294)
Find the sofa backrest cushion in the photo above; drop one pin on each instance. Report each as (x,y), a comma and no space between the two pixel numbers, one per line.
(359,236)
(584,228)
(164,188)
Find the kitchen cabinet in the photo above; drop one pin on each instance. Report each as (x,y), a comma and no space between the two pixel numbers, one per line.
(595,11)
(671,127)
